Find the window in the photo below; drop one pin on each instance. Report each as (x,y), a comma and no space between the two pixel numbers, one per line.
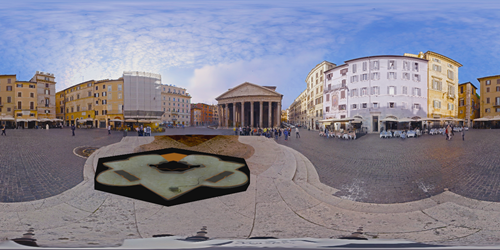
(327,109)
(327,98)
(488,89)
(329,86)
(9,99)
(462,89)
(19,114)
(354,92)
(406,76)
(9,88)
(451,91)
(391,75)
(391,105)
(497,101)
(120,96)
(32,86)
(103,93)
(32,106)
(391,90)
(461,102)
(354,106)
(450,74)
(450,106)
(415,66)
(47,92)
(391,64)
(436,68)
(497,110)
(72,109)
(342,94)
(498,89)
(120,87)
(376,90)
(96,87)
(406,65)
(451,66)
(376,76)
(375,105)
(461,111)
(416,77)
(364,105)
(354,79)
(342,107)
(78,96)
(416,106)
(353,68)
(436,85)
(8,80)
(364,77)
(437,104)
(109,96)
(96,94)
(97,112)
(416,92)
(343,82)
(19,105)
(436,60)
(405,90)
(104,102)
(365,66)
(487,110)
(375,65)
(19,85)
(364,91)
(487,100)
(103,86)
(77,108)
(109,88)
(19,94)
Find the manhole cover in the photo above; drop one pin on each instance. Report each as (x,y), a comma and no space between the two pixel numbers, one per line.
(85,151)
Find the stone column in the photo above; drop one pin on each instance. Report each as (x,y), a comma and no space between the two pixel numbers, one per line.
(234,114)
(226,114)
(278,114)
(270,112)
(242,114)
(260,114)
(251,114)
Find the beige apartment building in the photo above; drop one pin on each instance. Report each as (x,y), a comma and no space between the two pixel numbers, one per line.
(314,94)
(176,103)
(24,104)
(45,92)
(442,80)
(75,104)
(468,103)
(490,96)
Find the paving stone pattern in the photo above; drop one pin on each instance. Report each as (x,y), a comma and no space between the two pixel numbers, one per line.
(385,171)
(38,163)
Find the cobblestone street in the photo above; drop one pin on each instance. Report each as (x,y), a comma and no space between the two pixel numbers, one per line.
(377,170)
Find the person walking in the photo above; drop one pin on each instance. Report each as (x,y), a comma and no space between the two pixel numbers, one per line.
(234,129)
(463,134)
(109,129)
(241,131)
(46,126)
(286,135)
(297,135)
(3,130)
(73,129)
(446,132)
(276,134)
(280,131)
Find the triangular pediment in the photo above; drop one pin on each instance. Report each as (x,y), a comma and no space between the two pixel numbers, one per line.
(248,89)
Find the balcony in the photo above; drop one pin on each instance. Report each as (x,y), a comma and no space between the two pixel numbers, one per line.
(496,105)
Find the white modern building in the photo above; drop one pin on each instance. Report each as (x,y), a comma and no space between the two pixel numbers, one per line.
(377,91)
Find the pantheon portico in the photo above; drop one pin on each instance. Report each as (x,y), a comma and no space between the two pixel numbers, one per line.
(251,105)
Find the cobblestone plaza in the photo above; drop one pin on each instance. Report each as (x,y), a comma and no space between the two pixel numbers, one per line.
(37,164)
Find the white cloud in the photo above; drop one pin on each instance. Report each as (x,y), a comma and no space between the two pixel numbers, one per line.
(209,82)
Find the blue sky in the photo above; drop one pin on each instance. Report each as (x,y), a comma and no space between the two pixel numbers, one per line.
(210,46)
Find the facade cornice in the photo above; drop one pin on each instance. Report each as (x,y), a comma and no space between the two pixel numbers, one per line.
(317,67)
(486,77)
(443,57)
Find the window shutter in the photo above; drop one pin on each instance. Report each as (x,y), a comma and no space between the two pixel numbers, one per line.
(395,90)
(388,105)
(395,74)
(394,105)
(388,90)
(388,75)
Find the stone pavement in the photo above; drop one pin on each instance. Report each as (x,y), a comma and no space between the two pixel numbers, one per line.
(285,199)
(37,163)
(387,171)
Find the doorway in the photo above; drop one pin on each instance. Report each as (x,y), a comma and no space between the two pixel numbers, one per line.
(375,123)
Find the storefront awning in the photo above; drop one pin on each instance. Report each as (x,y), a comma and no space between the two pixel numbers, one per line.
(388,120)
(21,120)
(482,119)
(131,120)
(6,118)
(406,120)
(116,120)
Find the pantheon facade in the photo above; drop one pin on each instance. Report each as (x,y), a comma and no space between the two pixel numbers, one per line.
(251,105)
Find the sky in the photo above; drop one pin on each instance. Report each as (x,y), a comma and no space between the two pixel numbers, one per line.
(208,47)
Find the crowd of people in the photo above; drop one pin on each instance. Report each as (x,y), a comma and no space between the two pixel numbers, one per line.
(275,133)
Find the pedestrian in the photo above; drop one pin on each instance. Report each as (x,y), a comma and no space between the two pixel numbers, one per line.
(446,132)
(276,134)
(138,132)
(235,132)
(3,130)
(286,135)
(73,129)
(46,126)
(463,134)
(279,132)
(297,135)
(241,131)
